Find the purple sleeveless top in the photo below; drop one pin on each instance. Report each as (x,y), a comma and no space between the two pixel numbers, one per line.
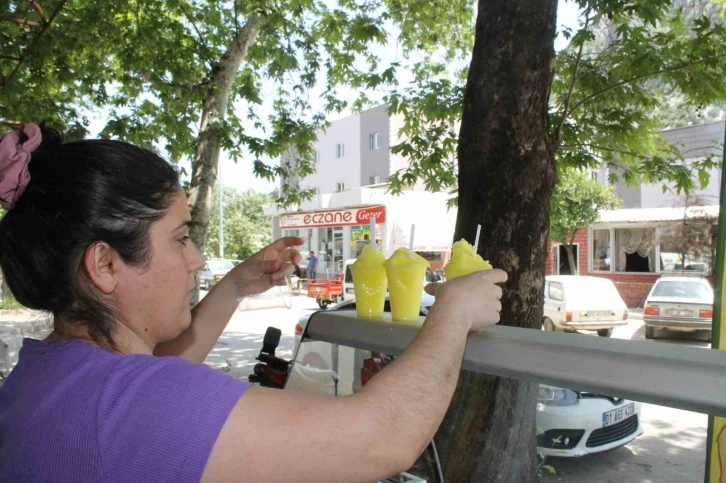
(72,412)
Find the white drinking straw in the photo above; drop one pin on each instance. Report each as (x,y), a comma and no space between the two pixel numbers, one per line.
(476,240)
(410,241)
(372,239)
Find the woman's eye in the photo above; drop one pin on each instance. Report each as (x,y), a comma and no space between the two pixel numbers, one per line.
(184,240)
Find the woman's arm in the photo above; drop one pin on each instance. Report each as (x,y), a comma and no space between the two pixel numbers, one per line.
(284,436)
(209,318)
(268,268)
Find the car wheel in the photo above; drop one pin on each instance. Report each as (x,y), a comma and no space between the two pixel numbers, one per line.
(324,304)
(207,286)
(548,325)
(649,332)
(605,332)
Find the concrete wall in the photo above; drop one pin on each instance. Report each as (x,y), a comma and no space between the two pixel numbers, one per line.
(374,162)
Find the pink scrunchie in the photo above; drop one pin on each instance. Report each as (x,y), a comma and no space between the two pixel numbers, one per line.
(14,158)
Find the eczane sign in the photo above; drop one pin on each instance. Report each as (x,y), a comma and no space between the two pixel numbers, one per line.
(321,219)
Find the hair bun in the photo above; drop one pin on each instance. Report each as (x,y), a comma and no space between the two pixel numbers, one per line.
(52,140)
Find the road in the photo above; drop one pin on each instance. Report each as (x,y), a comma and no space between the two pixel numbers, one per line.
(672,450)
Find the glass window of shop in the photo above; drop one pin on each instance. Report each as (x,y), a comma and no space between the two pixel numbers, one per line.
(330,251)
(360,236)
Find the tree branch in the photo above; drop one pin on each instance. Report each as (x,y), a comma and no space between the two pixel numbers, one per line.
(572,147)
(19,21)
(643,76)
(558,131)
(32,45)
(37,7)
(206,50)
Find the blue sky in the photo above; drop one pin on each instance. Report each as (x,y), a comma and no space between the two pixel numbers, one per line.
(239,175)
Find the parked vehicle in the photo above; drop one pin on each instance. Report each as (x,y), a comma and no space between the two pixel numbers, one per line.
(569,423)
(326,292)
(573,423)
(679,303)
(574,302)
(213,272)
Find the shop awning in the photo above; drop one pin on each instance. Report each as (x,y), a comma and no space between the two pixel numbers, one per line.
(654,216)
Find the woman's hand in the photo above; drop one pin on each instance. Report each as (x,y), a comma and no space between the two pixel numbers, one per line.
(269,267)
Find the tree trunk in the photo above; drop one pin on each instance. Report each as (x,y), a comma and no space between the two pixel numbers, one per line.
(506,179)
(571,258)
(206,150)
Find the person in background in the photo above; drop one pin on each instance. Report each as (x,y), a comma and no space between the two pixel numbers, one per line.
(97,234)
(312,266)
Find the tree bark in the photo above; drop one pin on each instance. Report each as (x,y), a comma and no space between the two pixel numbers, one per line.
(571,259)
(506,179)
(208,146)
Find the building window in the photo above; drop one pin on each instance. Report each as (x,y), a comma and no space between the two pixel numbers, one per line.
(594,175)
(374,180)
(317,157)
(601,250)
(374,141)
(339,187)
(339,151)
(634,250)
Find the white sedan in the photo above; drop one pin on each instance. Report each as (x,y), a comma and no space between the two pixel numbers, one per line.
(569,423)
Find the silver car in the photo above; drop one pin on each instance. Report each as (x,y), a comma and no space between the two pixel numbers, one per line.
(679,303)
(213,272)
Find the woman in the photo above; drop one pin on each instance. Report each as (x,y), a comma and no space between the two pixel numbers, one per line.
(97,233)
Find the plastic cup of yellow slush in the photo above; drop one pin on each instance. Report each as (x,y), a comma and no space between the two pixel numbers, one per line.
(370,283)
(464,261)
(405,284)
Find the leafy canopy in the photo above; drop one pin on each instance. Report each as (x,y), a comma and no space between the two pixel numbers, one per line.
(619,65)
(148,65)
(576,204)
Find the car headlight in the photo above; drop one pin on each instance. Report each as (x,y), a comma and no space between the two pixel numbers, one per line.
(556,396)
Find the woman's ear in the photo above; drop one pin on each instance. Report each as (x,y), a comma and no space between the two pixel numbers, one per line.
(100,262)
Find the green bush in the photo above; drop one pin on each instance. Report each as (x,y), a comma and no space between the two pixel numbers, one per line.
(10,304)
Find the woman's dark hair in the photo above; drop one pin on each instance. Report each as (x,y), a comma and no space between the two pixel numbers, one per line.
(80,193)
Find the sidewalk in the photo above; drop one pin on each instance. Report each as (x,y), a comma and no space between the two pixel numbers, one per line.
(15,325)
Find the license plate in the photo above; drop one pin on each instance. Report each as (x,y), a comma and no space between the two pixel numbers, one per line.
(598,314)
(680,313)
(617,415)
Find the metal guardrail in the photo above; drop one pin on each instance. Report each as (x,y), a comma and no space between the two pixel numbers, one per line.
(687,378)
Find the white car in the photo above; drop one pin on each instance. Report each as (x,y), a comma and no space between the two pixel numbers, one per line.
(680,304)
(569,423)
(574,302)
(572,423)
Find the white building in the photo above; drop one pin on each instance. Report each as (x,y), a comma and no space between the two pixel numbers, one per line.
(353,163)
(694,143)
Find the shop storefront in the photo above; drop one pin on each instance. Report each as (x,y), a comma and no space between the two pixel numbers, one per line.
(337,226)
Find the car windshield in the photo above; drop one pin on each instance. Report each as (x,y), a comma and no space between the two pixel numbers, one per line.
(676,289)
(221,265)
(584,289)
